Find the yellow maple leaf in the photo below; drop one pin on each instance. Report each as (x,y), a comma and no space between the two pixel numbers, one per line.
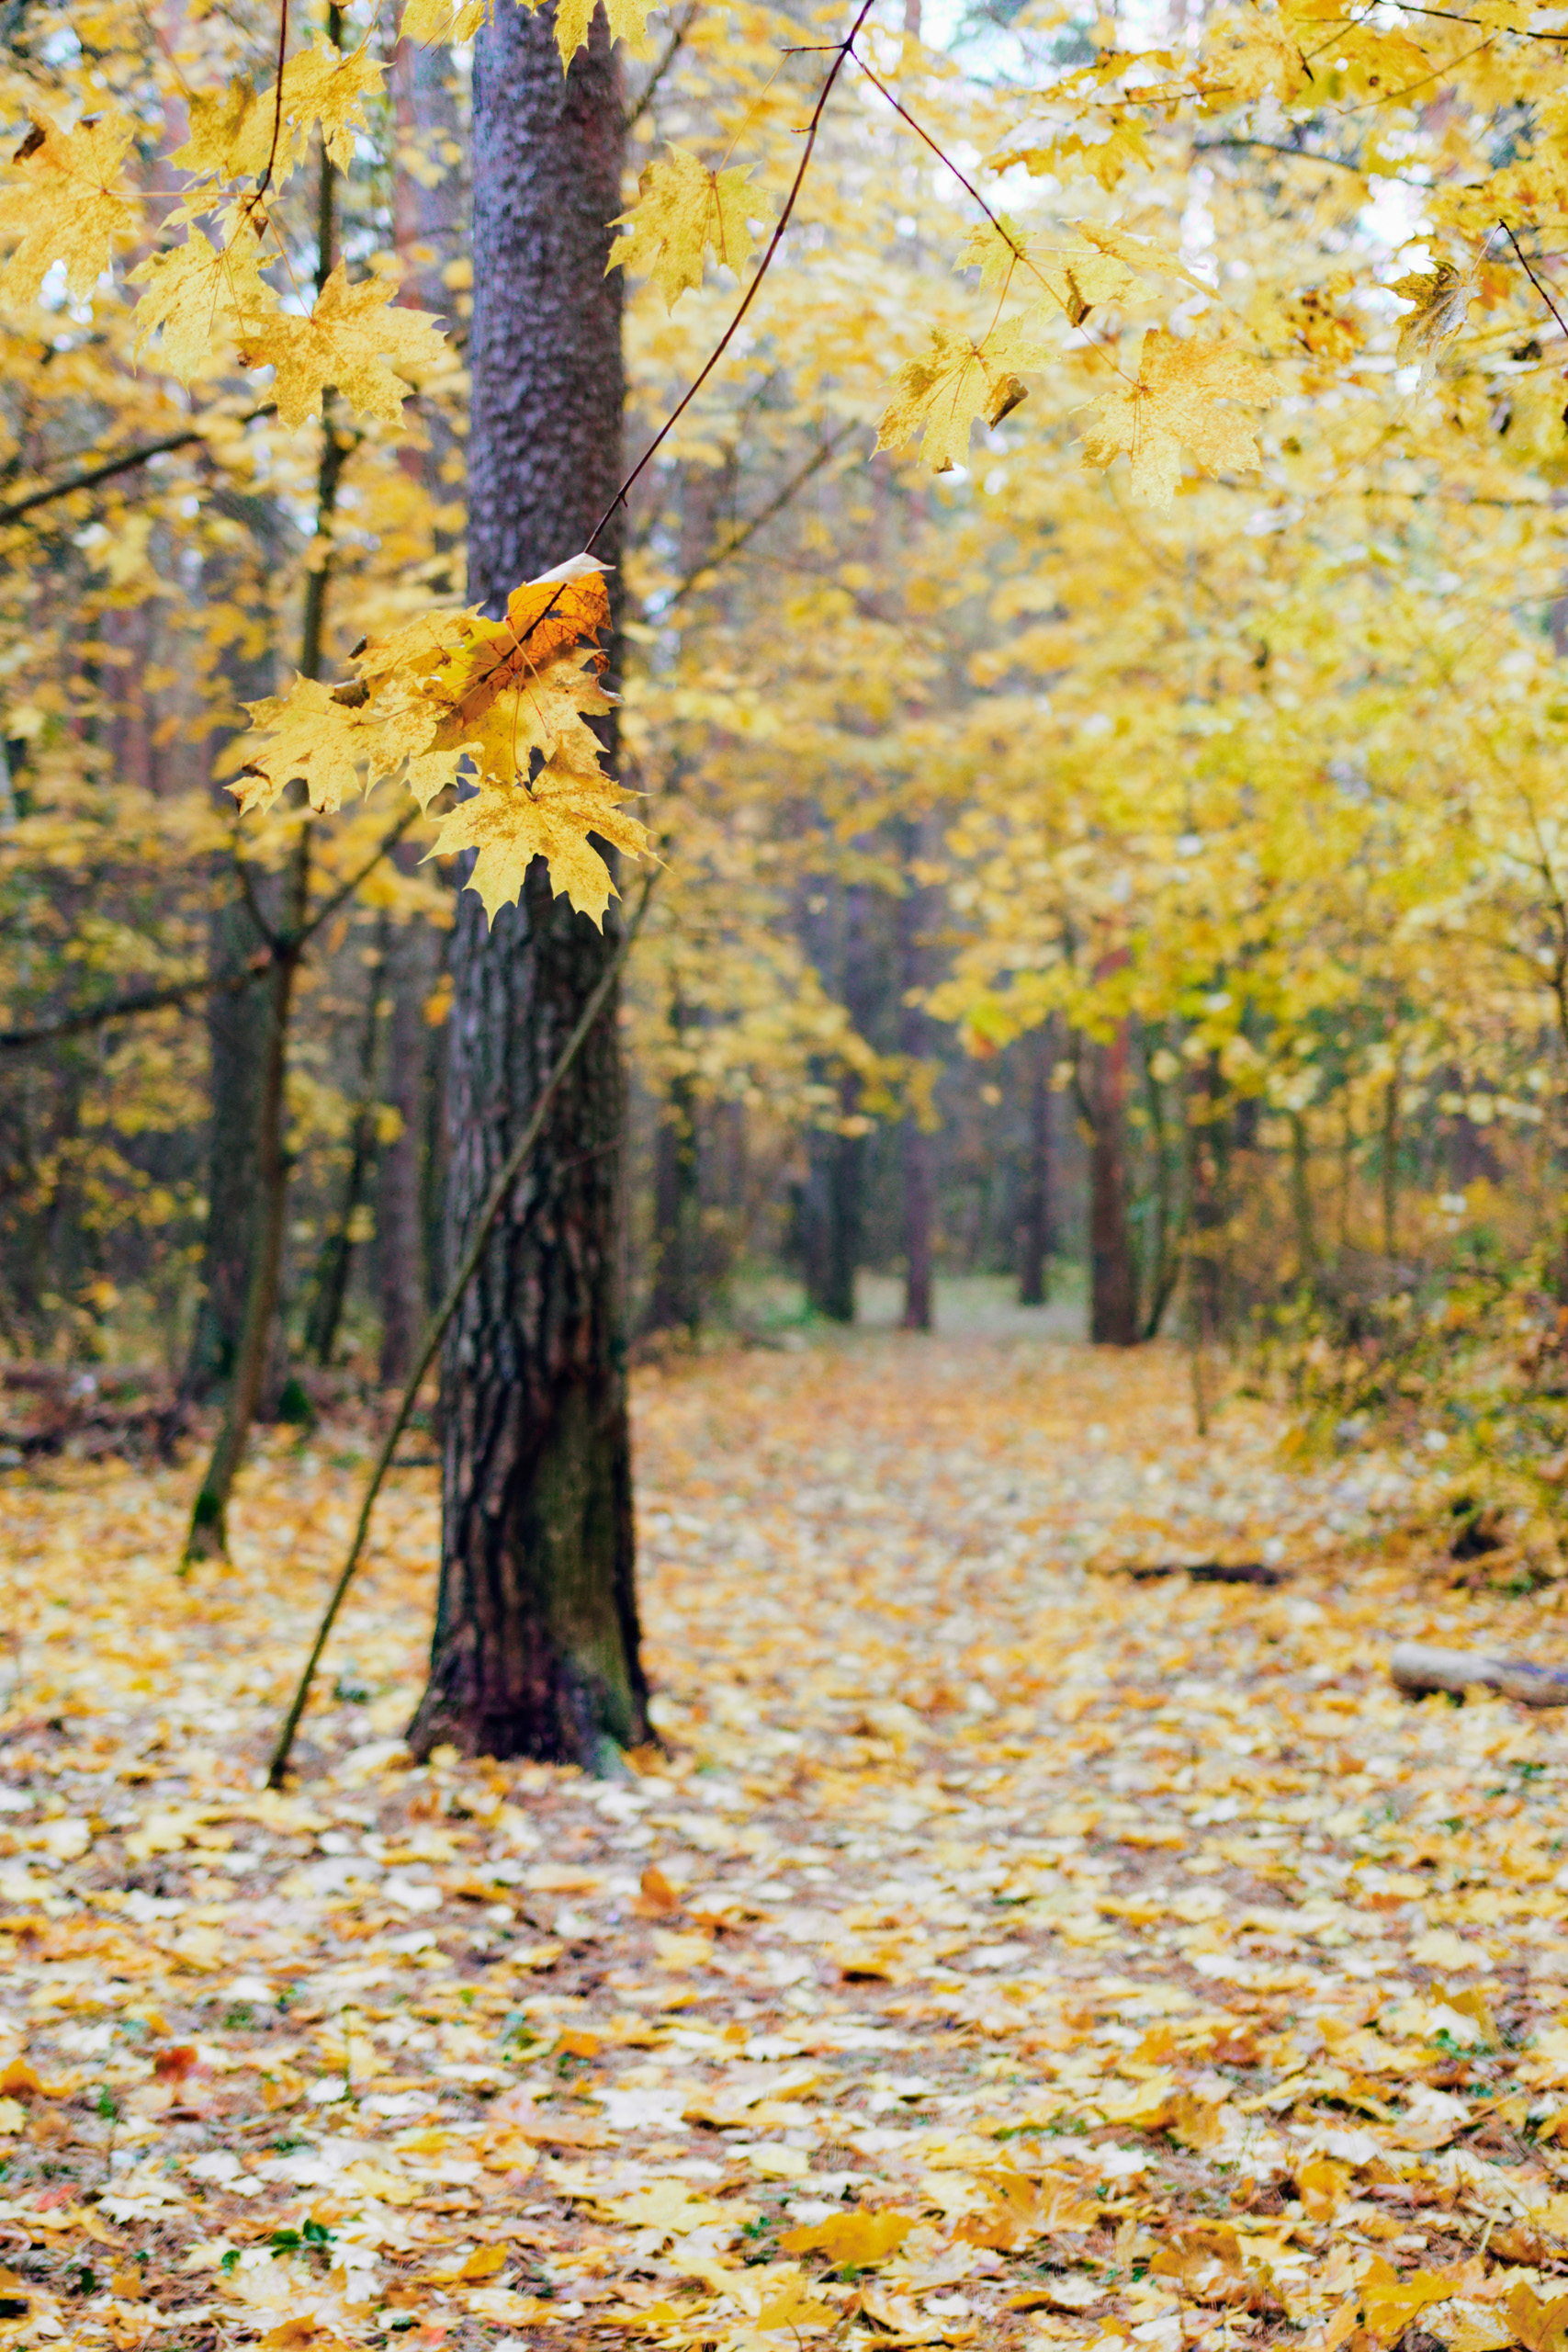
(347,343)
(682,209)
(328,739)
(232,130)
(1442,297)
(1107,158)
(195,290)
(542,712)
(1247,50)
(1175,404)
(551,817)
(628,22)
(943,393)
(428,21)
(863,2239)
(63,205)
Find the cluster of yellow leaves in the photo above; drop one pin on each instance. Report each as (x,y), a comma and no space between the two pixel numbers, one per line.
(67,202)
(506,703)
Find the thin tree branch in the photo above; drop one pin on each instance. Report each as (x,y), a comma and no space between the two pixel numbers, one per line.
(121,1008)
(436,1330)
(344,890)
(1301,155)
(91,476)
(230,982)
(755,523)
(842,51)
(1561,326)
(677,43)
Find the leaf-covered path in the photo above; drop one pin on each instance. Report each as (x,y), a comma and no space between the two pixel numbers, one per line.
(1004,1951)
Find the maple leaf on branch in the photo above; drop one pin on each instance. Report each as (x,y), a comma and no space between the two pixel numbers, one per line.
(449,697)
(63,205)
(551,818)
(682,209)
(195,290)
(1442,297)
(346,344)
(943,395)
(1245,53)
(232,130)
(1176,402)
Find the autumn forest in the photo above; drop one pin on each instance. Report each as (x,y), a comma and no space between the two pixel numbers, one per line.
(784,1115)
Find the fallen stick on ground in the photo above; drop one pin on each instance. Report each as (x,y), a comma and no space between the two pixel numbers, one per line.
(1209,1572)
(1419,1671)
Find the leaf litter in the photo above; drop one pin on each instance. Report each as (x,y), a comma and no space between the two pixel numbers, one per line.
(997,1951)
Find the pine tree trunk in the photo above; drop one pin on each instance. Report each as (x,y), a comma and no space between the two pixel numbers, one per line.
(1113,1289)
(1034,1218)
(535,1650)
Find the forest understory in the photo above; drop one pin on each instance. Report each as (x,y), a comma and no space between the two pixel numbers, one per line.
(1003,1948)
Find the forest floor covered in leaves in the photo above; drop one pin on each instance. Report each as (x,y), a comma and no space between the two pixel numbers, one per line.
(1003,1951)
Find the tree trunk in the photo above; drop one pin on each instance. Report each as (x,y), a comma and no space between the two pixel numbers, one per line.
(1113,1290)
(330,1288)
(208,1534)
(535,1649)
(674,1300)
(830,1214)
(236,1046)
(916,1144)
(399,1223)
(1034,1214)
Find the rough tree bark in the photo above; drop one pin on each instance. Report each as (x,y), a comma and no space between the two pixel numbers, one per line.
(535,1649)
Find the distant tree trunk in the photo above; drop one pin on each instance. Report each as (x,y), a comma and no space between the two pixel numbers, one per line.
(1301,1200)
(208,1534)
(236,1044)
(917,1145)
(400,1225)
(1113,1289)
(674,1301)
(329,1292)
(1391,1168)
(1034,1212)
(830,1214)
(1208,1208)
(535,1649)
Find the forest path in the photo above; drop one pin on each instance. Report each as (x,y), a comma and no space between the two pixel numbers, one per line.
(1079,1959)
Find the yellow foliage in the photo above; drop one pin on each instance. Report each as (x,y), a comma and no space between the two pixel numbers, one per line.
(1172,406)
(683,211)
(61,202)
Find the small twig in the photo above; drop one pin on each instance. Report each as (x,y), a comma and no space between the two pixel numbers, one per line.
(265,182)
(1561,326)
(436,1330)
(841,52)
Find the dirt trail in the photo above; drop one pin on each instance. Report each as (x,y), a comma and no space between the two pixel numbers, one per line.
(1004,1951)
